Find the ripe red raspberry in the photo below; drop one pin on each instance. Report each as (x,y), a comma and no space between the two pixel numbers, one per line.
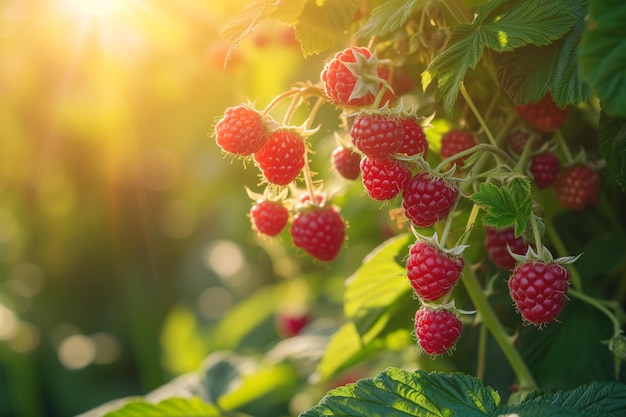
(539,290)
(437,330)
(289,324)
(496,241)
(455,141)
(413,138)
(241,131)
(346,162)
(432,272)
(269,217)
(545,168)
(282,157)
(543,115)
(376,135)
(384,178)
(577,187)
(428,199)
(319,231)
(351,77)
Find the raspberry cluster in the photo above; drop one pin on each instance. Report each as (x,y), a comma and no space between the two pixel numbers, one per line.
(385,144)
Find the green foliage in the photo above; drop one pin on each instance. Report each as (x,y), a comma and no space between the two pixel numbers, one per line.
(374,293)
(387,17)
(612,141)
(509,205)
(171,407)
(422,394)
(531,71)
(321,24)
(402,393)
(602,54)
(500,26)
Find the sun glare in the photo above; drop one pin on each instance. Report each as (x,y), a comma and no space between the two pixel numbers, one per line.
(96,7)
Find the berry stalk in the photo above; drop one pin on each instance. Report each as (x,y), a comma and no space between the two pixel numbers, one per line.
(490,319)
(478,116)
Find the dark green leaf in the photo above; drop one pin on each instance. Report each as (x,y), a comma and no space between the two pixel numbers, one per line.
(603,54)
(172,407)
(377,288)
(597,399)
(500,26)
(387,17)
(529,72)
(322,24)
(221,374)
(396,392)
(612,142)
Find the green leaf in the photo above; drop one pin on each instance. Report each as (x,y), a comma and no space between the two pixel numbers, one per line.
(612,142)
(322,24)
(376,291)
(221,375)
(538,410)
(172,407)
(387,17)
(509,205)
(597,399)
(500,26)
(602,54)
(377,288)
(396,392)
(529,72)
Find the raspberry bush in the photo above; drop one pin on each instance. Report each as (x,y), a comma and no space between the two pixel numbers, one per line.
(482,236)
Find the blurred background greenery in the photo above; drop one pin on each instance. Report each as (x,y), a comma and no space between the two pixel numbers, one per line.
(123,228)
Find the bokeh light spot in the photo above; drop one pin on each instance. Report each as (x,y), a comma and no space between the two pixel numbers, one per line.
(225,258)
(76,351)
(26,338)
(107,348)
(8,323)
(214,302)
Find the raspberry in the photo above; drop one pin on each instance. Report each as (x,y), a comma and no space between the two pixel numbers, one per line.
(241,131)
(319,231)
(432,272)
(437,330)
(455,141)
(351,77)
(577,187)
(517,141)
(413,138)
(539,290)
(543,115)
(384,178)
(376,135)
(282,157)
(496,241)
(346,162)
(269,217)
(428,199)
(545,168)
(289,324)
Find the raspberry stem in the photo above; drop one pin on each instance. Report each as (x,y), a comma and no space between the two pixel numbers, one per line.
(490,319)
(308,176)
(566,151)
(481,147)
(478,116)
(536,235)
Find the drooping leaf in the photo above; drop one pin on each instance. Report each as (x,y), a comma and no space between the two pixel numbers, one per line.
(172,407)
(509,205)
(597,399)
(387,17)
(322,24)
(612,142)
(602,54)
(500,26)
(528,73)
(396,392)
(377,288)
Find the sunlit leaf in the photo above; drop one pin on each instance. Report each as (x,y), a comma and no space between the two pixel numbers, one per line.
(603,54)
(528,73)
(387,17)
(322,24)
(506,206)
(172,407)
(397,392)
(377,288)
(612,141)
(501,27)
